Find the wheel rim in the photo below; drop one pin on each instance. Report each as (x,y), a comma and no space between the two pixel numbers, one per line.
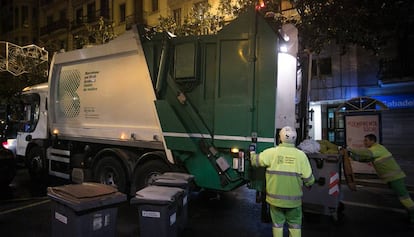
(109,177)
(37,163)
(152,177)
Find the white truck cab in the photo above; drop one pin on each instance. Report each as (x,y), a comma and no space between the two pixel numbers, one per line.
(33,123)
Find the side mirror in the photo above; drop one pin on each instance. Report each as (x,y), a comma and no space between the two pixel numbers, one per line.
(28,138)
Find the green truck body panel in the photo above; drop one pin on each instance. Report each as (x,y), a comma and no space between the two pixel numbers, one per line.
(217,93)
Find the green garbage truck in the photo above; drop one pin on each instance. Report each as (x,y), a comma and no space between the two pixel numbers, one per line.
(148,102)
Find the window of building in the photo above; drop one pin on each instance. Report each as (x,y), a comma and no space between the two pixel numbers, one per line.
(6,23)
(201,8)
(79,15)
(62,44)
(62,14)
(154,5)
(16,16)
(105,8)
(122,12)
(34,14)
(25,40)
(91,12)
(46,2)
(49,19)
(25,16)
(322,67)
(177,16)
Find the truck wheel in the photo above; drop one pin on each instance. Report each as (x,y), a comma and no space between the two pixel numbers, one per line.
(111,172)
(145,174)
(36,162)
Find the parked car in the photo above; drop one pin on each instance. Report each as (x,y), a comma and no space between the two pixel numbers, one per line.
(9,134)
(7,167)
(10,144)
(8,160)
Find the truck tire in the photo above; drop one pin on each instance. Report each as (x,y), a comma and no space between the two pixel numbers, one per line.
(145,174)
(110,171)
(36,164)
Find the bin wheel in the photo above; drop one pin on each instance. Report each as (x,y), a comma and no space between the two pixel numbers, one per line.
(146,173)
(36,164)
(110,171)
(338,214)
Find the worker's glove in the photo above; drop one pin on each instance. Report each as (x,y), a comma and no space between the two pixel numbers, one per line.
(308,187)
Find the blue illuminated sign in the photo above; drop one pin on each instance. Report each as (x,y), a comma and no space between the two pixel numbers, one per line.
(396,101)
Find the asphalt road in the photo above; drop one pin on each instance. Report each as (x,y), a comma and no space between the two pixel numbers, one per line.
(25,210)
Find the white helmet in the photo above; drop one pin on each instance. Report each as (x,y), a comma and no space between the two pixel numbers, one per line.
(287,135)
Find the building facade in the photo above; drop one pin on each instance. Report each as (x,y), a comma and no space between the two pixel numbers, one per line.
(337,78)
(19,21)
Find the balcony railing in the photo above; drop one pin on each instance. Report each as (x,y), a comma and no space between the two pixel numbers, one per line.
(91,18)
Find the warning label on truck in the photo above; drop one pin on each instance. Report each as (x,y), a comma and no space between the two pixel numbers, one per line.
(89,81)
(90,113)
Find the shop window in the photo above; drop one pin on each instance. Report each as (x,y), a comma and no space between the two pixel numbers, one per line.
(336,127)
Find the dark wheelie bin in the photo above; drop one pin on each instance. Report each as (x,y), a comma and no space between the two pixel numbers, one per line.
(179,180)
(157,206)
(87,209)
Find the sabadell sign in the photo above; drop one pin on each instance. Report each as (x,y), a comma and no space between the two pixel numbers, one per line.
(396,101)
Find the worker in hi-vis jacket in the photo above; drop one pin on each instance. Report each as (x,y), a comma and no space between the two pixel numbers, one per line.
(287,169)
(387,169)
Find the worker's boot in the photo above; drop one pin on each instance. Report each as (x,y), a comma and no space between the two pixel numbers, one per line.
(295,232)
(411,216)
(277,230)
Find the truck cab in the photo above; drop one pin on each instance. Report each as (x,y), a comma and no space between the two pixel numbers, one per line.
(32,126)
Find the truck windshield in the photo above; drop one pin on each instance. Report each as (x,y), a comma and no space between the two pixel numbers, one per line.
(25,113)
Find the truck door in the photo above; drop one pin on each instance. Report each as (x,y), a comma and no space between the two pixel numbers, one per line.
(29,118)
(233,115)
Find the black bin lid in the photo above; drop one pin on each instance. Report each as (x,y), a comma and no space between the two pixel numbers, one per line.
(84,196)
(178,175)
(170,182)
(158,195)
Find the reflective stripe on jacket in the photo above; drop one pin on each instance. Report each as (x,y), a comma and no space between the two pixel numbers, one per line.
(384,163)
(287,169)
